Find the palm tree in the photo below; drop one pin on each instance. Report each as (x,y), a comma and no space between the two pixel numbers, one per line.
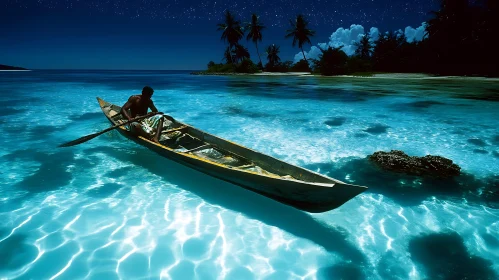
(240,53)
(255,33)
(231,29)
(300,32)
(228,56)
(273,54)
(364,47)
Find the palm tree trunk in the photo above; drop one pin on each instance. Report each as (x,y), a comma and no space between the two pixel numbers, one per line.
(304,55)
(230,54)
(258,52)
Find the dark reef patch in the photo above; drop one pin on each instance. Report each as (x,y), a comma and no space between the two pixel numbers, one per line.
(15,251)
(43,131)
(337,121)
(52,174)
(480,151)
(377,129)
(444,256)
(53,171)
(342,270)
(236,111)
(432,166)
(495,140)
(477,142)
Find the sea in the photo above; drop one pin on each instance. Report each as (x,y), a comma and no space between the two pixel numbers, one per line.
(111,209)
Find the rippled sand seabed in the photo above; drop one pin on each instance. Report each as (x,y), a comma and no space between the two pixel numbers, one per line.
(110,209)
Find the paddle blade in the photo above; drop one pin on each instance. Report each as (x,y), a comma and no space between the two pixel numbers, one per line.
(79,140)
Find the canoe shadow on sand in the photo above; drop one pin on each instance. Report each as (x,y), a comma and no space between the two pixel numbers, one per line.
(235,198)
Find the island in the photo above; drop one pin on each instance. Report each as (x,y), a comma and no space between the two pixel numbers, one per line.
(11,68)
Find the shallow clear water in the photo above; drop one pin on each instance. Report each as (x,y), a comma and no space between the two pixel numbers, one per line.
(111,209)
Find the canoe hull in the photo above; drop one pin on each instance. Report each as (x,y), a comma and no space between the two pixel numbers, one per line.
(306,196)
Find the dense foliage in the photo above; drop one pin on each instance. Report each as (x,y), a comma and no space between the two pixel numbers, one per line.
(332,61)
(245,66)
(459,40)
(300,66)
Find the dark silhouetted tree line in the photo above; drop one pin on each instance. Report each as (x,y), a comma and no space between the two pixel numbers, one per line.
(460,39)
(236,57)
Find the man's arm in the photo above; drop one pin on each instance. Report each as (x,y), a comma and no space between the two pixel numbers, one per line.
(152,107)
(128,105)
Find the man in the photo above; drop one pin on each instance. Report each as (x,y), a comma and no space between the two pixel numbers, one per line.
(138,106)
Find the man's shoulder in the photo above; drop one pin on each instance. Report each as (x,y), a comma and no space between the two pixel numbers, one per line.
(133,98)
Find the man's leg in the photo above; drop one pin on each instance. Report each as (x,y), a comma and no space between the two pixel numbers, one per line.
(137,129)
(158,131)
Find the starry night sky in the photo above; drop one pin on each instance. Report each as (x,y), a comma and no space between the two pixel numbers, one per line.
(172,34)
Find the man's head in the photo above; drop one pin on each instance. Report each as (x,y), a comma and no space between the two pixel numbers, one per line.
(147,91)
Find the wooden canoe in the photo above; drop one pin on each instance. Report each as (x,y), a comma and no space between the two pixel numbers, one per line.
(289,184)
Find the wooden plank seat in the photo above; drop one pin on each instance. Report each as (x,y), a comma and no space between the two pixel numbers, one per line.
(199,148)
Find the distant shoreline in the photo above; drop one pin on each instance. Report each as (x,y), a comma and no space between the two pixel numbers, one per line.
(11,68)
(393,76)
(15,70)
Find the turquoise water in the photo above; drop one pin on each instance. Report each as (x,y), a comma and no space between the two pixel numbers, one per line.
(110,209)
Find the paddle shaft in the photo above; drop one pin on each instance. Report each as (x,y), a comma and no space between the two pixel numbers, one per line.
(92,136)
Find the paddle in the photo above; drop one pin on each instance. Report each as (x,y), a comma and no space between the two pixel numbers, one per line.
(92,136)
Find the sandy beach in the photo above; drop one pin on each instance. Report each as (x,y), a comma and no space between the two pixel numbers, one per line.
(416,76)
(401,76)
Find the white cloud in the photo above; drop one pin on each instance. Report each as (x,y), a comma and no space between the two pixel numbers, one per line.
(374,34)
(348,37)
(399,33)
(341,37)
(415,34)
(313,53)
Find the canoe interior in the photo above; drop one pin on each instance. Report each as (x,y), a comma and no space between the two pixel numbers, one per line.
(207,147)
